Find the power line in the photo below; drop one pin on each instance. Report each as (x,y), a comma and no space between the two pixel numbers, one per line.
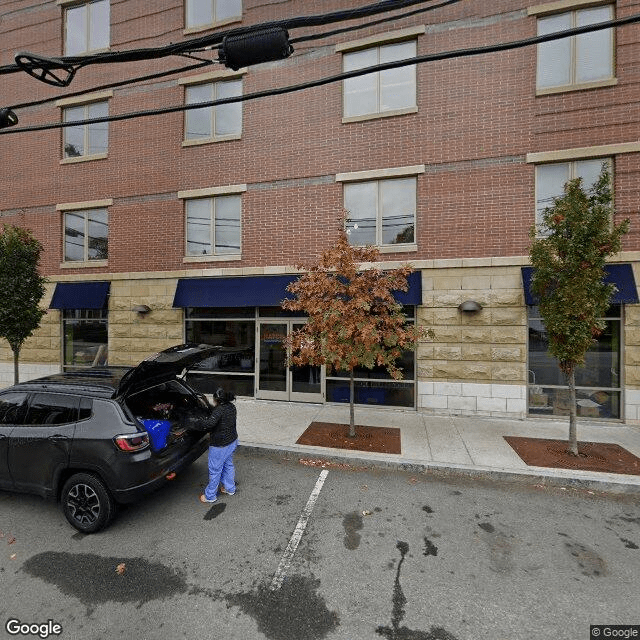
(434,57)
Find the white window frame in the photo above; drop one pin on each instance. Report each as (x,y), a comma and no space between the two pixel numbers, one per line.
(573,8)
(83,101)
(214,79)
(379,176)
(208,25)
(377,42)
(211,194)
(83,208)
(69,5)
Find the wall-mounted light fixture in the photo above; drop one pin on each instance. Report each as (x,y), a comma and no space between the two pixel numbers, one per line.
(142,309)
(470,306)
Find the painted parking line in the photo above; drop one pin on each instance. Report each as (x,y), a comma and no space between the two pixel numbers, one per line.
(285,562)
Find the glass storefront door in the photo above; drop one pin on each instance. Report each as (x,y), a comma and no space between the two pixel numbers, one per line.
(277,381)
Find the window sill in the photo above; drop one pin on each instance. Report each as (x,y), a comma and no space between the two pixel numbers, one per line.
(610,82)
(196,143)
(84,264)
(381,114)
(214,25)
(97,156)
(213,258)
(393,248)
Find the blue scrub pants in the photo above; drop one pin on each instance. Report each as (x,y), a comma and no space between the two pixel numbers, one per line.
(221,470)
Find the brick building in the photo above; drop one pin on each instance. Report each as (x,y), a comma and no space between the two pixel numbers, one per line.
(185,226)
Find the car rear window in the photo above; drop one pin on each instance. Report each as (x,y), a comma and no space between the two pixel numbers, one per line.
(52,408)
(12,407)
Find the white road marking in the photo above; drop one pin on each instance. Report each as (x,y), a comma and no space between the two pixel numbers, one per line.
(285,562)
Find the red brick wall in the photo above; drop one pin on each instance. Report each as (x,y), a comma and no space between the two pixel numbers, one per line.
(477,119)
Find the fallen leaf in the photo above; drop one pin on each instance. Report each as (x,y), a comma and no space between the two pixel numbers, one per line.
(13,556)
(364,487)
(412,480)
(10,540)
(121,568)
(171,476)
(366,513)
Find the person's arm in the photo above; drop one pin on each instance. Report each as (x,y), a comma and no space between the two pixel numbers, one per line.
(204,423)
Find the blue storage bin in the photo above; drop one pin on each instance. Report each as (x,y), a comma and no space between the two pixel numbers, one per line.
(370,396)
(158,431)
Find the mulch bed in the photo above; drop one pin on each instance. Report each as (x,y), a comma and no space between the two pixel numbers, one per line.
(592,456)
(331,434)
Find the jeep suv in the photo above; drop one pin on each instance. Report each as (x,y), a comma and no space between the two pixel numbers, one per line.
(108,435)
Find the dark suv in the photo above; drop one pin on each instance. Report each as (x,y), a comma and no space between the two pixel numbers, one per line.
(102,436)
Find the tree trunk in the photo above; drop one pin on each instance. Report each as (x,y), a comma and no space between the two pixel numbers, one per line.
(352,424)
(573,430)
(16,375)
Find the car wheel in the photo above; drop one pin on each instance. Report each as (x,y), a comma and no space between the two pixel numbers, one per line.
(86,503)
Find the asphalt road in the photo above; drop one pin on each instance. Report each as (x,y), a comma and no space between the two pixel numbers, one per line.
(380,554)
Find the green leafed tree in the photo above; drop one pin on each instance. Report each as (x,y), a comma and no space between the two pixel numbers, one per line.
(353,317)
(21,288)
(568,278)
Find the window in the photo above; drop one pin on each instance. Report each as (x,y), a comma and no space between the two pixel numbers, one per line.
(381,212)
(213,226)
(598,382)
(86,235)
(551,178)
(383,91)
(87,27)
(85,338)
(201,13)
(577,60)
(85,140)
(50,409)
(221,122)
(12,406)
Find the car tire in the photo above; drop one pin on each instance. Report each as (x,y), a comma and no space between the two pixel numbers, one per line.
(87,503)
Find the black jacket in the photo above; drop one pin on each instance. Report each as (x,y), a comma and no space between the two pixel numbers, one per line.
(220,423)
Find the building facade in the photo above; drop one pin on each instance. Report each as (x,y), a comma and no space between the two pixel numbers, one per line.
(185,226)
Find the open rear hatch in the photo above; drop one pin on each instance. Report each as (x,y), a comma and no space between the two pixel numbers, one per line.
(159,401)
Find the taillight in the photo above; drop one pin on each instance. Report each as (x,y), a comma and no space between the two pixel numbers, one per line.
(132,442)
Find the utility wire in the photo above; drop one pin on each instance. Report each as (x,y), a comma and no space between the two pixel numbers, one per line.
(433,57)
(215,39)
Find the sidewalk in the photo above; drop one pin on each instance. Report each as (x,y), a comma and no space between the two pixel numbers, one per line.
(437,445)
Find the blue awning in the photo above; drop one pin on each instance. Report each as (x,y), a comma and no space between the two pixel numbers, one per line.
(80,295)
(620,275)
(258,291)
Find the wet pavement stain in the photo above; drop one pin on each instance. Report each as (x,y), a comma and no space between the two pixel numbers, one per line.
(395,631)
(215,511)
(427,509)
(94,581)
(283,499)
(352,523)
(628,543)
(430,549)
(500,544)
(588,560)
(292,612)
(487,526)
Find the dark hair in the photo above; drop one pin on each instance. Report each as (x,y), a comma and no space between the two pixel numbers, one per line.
(221,396)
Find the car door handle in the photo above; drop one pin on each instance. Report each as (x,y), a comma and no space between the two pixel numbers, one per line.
(57,437)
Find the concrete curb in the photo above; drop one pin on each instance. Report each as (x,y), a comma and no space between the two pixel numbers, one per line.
(561,478)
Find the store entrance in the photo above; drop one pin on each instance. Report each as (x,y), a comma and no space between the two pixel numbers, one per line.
(277,381)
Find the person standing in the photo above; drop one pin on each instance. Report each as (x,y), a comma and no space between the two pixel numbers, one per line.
(223,441)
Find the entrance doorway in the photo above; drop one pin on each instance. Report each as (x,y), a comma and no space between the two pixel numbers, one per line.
(277,381)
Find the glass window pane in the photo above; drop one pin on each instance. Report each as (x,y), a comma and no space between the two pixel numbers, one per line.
(12,407)
(594,51)
(361,93)
(74,236)
(550,181)
(99,25)
(236,337)
(398,86)
(398,209)
(361,203)
(589,171)
(554,58)
(75,30)
(227,224)
(198,121)
(85,338)
(228,117)
(99,132)
(199,12)
(73,137)
(98,234)
(226,9)
(199,227)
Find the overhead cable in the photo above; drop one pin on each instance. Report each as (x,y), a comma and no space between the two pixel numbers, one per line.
(433,57)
